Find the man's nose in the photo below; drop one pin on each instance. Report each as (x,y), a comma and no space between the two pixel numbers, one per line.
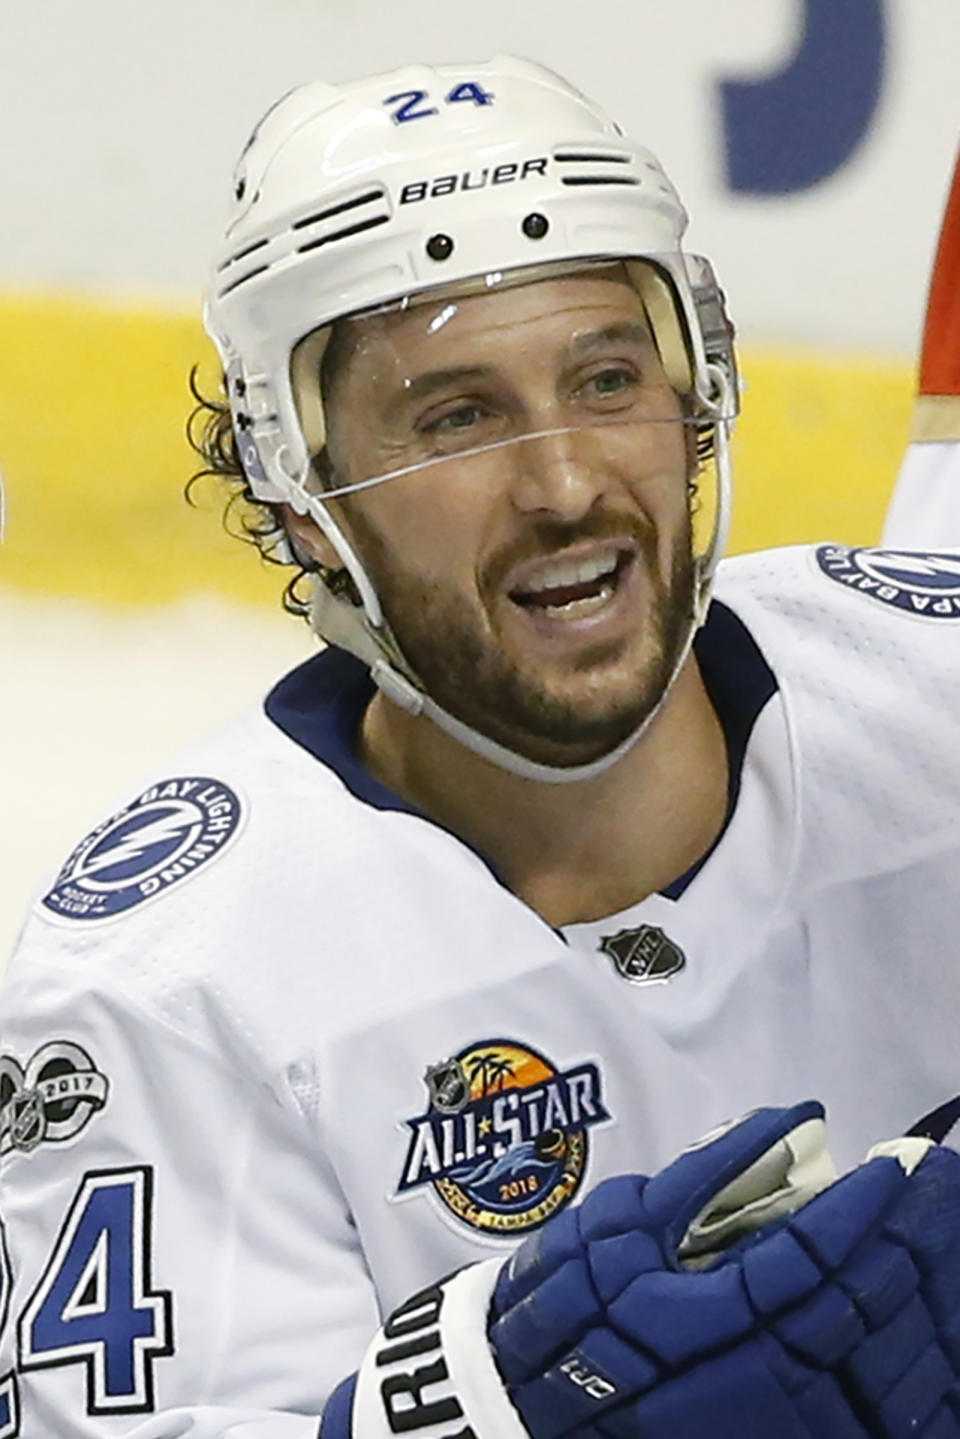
(559,473)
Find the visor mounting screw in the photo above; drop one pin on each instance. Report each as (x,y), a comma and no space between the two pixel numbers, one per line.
(439,247)
(535,226)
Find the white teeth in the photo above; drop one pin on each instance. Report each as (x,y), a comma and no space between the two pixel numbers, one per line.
(574,609)
(570,572)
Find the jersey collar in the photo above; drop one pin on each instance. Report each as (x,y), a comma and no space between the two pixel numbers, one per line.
(320,706)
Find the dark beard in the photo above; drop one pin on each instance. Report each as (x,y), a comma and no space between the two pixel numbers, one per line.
(468,674)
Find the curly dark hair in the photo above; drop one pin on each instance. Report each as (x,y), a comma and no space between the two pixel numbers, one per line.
(211,436)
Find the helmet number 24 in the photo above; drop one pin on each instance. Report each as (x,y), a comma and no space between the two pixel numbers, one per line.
(415,104)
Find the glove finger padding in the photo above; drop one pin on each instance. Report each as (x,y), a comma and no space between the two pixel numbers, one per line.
(829,1315)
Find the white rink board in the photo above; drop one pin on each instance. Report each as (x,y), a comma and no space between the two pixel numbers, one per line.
(92,699)
(128,120)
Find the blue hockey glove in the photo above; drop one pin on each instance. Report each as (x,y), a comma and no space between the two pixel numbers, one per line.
(739,1294)
(719,1300)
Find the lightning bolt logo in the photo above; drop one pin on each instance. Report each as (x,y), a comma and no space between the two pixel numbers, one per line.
(164,837)
(924,584)
(133,846)
(933,566)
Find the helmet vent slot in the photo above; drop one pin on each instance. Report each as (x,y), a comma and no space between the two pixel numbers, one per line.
(284,241)
(599,180)
(597,157)
(240,280)
(242,254)
(342,234)
(595,167)
(332,210)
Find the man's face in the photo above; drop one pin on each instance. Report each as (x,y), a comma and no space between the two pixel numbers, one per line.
(535,563)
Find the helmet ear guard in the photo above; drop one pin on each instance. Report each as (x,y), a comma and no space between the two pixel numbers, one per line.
(262,451)
(306,365)
(667,324)
(692,338)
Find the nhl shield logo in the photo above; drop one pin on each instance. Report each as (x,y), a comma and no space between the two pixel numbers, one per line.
(448,1086)
(644,955)
(23,1120)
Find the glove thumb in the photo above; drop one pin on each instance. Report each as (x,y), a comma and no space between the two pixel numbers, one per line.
(738,1178)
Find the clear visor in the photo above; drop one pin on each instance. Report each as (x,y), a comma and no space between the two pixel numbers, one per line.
(526,377)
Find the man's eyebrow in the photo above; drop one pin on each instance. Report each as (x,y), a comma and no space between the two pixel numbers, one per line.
(634,330)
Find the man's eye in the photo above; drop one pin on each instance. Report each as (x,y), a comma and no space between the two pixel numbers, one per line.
(612,381)
(459,419)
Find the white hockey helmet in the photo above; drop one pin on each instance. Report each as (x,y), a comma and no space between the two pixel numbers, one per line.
(352,198)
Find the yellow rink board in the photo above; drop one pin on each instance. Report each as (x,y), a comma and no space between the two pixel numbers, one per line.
(93,402)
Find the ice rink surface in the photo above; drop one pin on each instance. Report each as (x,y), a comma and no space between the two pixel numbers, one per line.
(93,698)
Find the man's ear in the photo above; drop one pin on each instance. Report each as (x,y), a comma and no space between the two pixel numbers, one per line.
(309,540)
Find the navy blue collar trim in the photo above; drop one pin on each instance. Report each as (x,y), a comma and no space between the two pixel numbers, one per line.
(739,682)
(320,706)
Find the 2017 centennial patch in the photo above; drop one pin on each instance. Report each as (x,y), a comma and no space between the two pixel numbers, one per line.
(51,1099)
(504,1140)
(164,836)
(920,582)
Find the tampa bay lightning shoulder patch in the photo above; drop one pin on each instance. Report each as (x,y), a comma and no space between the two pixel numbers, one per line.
(925,583)
(167,834)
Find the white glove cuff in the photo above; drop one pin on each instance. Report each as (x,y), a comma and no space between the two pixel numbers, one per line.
(911,1150)
(430,1371)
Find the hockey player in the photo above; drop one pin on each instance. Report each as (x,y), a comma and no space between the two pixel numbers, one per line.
(925,509)
(568,847)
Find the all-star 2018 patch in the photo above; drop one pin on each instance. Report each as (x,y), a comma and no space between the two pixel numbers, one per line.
(504,1140)
(51,1099)
(920,582)
(164,836)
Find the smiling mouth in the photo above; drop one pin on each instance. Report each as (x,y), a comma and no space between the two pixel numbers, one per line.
(572,588)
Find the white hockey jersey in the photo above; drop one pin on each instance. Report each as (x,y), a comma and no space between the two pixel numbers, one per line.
(278,1051)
